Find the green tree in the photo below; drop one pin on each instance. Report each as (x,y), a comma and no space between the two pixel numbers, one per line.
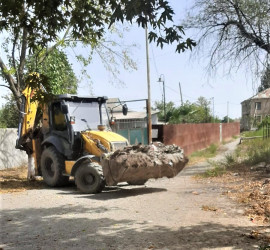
(58,70)
(169,107)
(265,80)
(198,112)
(182,114)
(203,107)
(225,119)
(9,114)
(32,26)
(233,32)
(62,78)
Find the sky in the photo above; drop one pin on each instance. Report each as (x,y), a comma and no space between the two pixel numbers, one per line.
(225,92)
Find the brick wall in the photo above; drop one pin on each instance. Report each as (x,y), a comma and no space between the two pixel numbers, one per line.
(193,137)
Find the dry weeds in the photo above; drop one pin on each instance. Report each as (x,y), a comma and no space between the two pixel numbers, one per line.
(250,187)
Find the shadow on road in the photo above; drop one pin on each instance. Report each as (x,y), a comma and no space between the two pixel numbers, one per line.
(77,227)
(116,192)
(194,170)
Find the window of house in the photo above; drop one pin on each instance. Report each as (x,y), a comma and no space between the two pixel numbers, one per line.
(258,118)
(258,105)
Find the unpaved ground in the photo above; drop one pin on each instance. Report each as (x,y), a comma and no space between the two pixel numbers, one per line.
(178,213)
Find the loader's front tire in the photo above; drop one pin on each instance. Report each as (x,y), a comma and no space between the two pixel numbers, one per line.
(52,167)
(89,178)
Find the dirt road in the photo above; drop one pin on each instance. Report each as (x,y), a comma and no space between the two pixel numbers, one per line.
(177,213)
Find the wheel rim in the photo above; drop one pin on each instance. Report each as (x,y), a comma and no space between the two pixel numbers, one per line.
(89,179)
(49,166)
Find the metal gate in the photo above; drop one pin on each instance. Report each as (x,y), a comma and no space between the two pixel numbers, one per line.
(134,124)
(135,136)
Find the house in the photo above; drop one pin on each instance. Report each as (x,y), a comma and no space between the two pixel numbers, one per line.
(255,109)
(133,125)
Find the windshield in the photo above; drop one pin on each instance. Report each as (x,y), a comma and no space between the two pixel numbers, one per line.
(85,115)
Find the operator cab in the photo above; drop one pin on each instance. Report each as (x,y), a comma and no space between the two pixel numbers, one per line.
(84,113)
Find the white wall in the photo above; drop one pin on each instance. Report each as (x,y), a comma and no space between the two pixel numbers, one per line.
(9,156)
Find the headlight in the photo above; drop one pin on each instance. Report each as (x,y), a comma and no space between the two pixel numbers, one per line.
(118,145)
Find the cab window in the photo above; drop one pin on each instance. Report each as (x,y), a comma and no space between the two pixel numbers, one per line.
(59,120)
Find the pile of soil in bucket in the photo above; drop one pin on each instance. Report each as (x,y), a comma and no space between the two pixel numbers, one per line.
(138,163)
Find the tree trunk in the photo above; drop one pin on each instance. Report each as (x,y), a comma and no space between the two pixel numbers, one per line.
(31,167)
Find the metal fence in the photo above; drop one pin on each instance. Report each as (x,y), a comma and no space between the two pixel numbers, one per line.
(266,131)
(130,124)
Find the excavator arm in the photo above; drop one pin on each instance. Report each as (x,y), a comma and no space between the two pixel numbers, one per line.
(28,112)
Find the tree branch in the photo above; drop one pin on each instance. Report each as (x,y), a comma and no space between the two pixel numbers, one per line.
(258,41)
(5,86)
(9,79)
(13,56)
(22,59)
(49,50)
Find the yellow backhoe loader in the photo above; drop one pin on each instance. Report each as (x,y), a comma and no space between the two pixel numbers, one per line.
(71,136)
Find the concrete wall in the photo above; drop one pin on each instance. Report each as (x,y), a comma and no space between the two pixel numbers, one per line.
(249,112)
(193,137)
(265,107)
(229,129)
(9,156)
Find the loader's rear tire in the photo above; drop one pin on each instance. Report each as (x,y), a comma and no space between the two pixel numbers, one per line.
(89,178)
(52,167)
(139,183)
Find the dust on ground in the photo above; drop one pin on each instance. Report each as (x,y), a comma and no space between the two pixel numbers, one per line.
(15,180)
(181,213)
(250,188)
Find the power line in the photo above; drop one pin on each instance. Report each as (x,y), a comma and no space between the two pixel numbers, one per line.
(154,59)
(177,92)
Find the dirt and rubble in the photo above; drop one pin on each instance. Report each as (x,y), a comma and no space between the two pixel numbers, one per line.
(178,213)
(249,187)
(139,163)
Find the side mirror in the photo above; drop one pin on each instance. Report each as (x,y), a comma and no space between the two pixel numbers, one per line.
(64,108)
(125,109)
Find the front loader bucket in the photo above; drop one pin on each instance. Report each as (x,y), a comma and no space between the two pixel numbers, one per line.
(140,163)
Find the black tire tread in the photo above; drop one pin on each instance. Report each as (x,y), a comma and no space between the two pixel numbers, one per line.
(59,178)
(99,170)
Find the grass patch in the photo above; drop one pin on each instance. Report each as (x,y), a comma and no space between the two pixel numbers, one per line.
(209,152)
(258,132)
(253,152)
(246,155)
(214,172)
(202,155)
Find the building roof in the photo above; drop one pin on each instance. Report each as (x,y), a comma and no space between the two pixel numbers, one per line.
(261,95)
(264,94)
(132,115)
(114,104)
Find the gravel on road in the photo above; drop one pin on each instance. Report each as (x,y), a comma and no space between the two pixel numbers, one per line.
(178,213)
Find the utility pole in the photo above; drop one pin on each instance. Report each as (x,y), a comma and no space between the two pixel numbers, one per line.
(214,108)
(149,114)
(213,99)
(227,112)
(162,79)
(181,97)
